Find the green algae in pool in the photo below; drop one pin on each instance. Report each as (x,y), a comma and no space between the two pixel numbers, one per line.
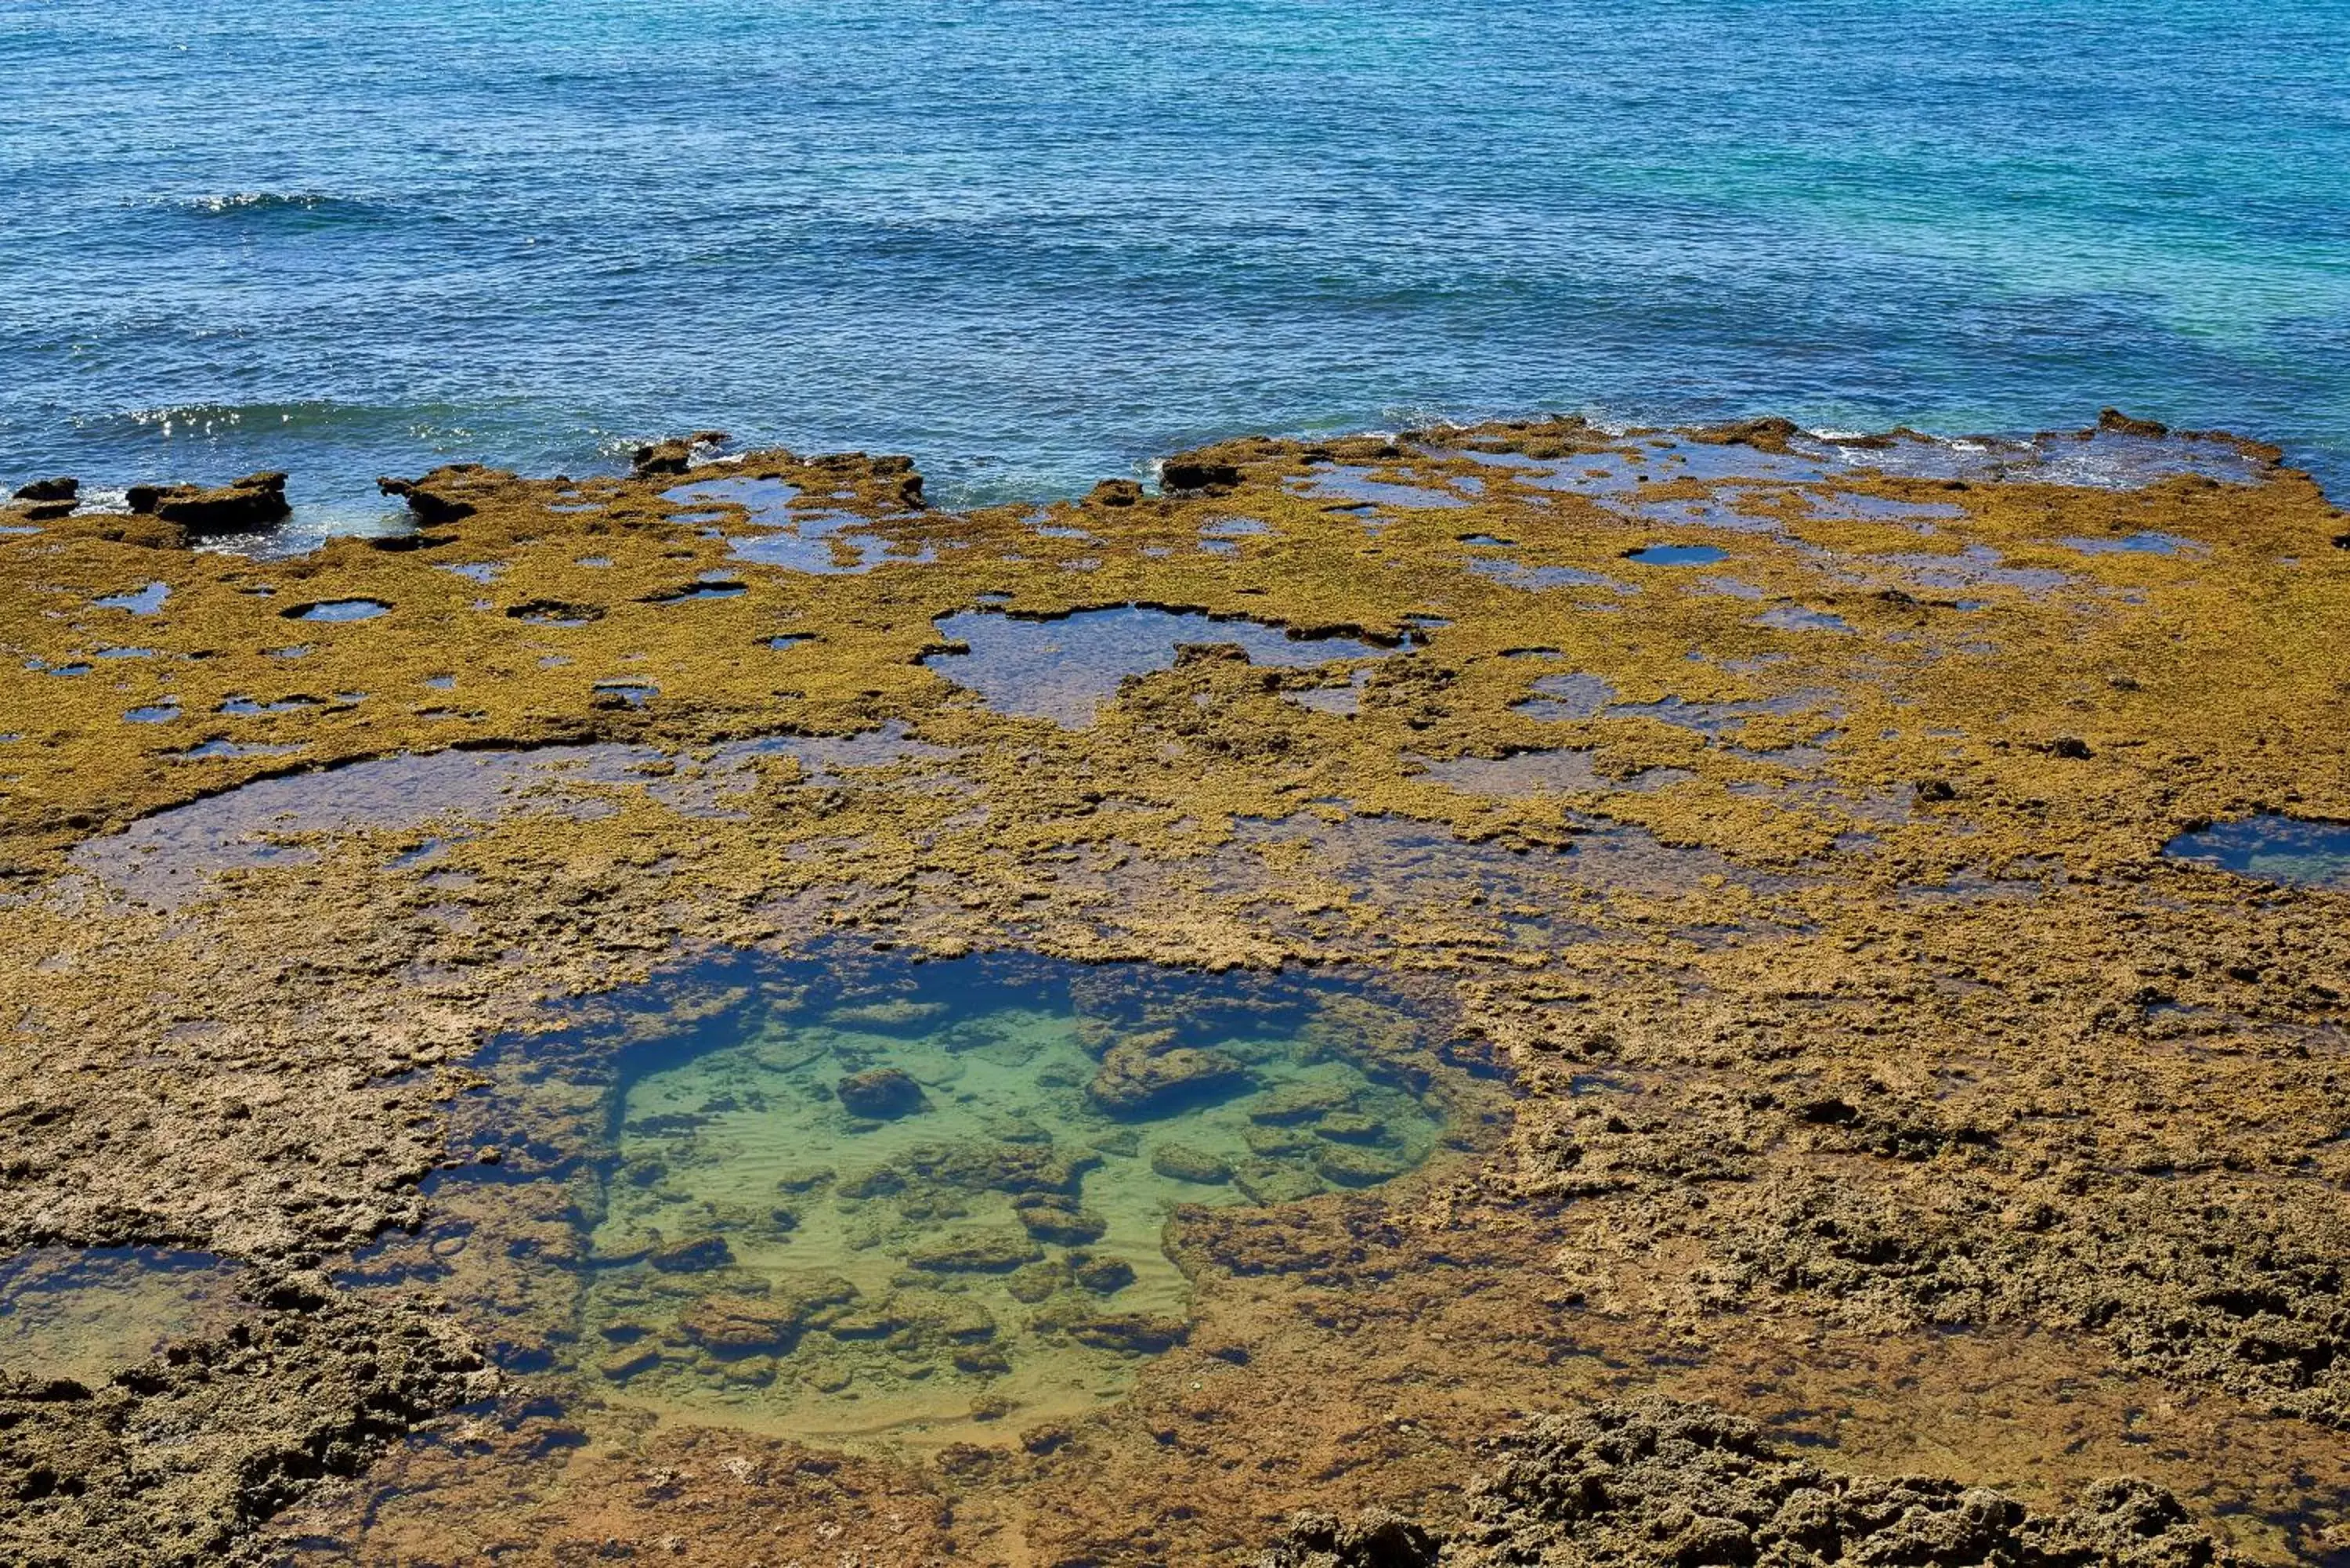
(936,1194)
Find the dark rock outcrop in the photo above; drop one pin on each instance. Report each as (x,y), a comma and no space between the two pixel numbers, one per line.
(2116,422)
(1771,435)
(674,455)
(63,488)
(1376,1540)
(427,505)
(256,501)
(1198,474)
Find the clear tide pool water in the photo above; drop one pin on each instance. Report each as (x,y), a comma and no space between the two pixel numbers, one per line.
(1035,242)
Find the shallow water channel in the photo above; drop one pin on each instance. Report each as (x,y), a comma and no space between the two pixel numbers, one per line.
(876,1199)
(2271,848)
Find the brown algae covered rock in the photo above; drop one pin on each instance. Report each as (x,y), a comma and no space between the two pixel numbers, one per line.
(1776,833)
(1655,1482)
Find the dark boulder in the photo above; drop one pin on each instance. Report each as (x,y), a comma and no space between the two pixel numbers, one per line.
(59,489)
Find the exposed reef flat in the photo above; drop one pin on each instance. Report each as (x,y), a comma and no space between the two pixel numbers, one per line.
(1786,955)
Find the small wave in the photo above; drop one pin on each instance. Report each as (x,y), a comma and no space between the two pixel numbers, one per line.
(302,206)
(430,422)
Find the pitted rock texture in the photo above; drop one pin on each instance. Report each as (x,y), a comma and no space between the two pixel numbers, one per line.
(174,1461)
(1659,1483)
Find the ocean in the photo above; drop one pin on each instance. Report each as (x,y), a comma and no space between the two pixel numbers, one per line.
(1036,241)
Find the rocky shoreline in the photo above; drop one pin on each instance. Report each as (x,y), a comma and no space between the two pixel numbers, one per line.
(1874,1075)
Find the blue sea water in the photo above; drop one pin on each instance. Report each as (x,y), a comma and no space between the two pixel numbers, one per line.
(1034,242)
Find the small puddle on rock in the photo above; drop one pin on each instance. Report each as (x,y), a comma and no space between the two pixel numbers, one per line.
(84,1315)
(2272,848)
(866,1198)
(338,610)
(1678,555)
(1562,772)
(1065,669)
(1565,696)
(148,601)
(1356,484)
(1537,580)
(2135,545)
(176,855)
(1794,618)
(768,501)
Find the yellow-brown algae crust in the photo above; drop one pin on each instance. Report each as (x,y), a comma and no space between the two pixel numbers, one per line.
(2005,1071)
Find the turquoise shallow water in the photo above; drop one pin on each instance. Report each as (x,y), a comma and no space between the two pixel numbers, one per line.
(1036,241)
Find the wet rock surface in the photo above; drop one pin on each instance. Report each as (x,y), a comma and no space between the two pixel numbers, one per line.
(176,1459)
(1655,1482)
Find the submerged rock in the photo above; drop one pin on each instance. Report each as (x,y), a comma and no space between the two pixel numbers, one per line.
(1059,1220)
(1268,1183)
(1350,1165)
(1182,1162)
(1134,1334)
(1103,1276)
(1295,1104)
(697,1256)
(744,1326)
(978,1253)
(1033,1283)
(1143,1076)
(882,1094)
(1353,1126)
